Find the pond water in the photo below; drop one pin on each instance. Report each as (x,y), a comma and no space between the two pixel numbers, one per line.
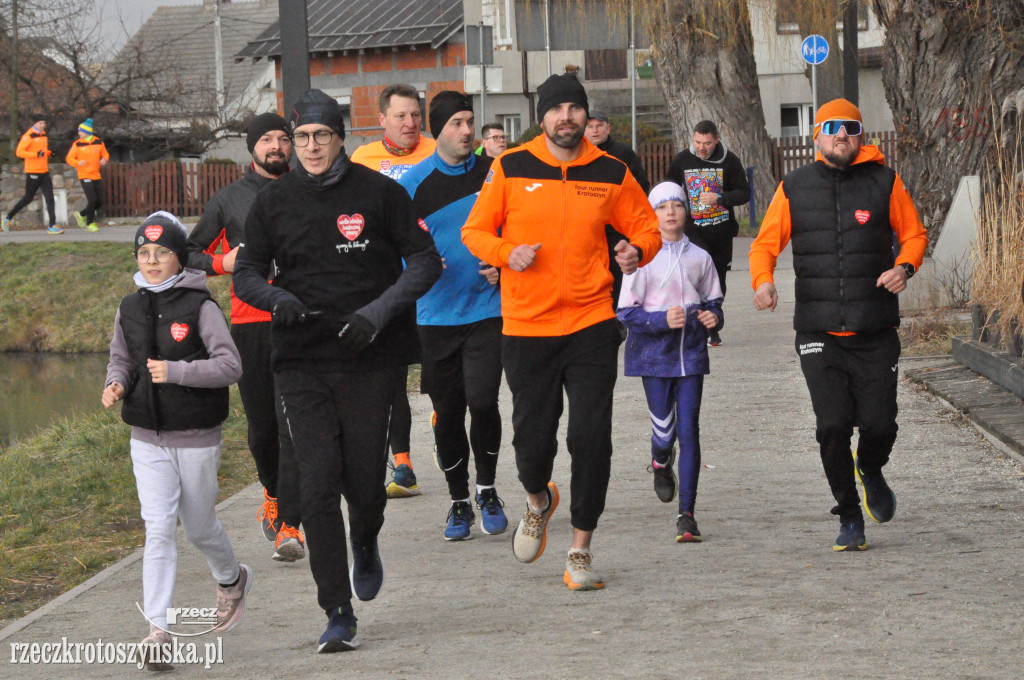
(36,389)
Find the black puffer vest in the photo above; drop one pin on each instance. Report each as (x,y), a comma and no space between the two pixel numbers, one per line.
(842,242)
(166,326)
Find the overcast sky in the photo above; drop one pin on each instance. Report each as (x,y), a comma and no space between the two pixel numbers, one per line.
(133,13)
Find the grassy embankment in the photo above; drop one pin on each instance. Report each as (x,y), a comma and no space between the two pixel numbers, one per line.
(68,506)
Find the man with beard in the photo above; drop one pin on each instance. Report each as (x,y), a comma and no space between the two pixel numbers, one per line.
(459,321)
(840,213)
(715,181)
(403,147)
(343,322)
(599,131)
(540,217)
(221,227)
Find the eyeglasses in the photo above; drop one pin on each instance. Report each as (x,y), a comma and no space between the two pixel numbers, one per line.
(832,127)
(321,137)
(162,255)
(497,138)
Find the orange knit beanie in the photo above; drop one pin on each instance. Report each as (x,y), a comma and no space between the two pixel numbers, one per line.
(837,109)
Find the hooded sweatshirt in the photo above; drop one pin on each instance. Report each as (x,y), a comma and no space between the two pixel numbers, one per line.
(35,150)
(721,173)
(85,155)
(530,197)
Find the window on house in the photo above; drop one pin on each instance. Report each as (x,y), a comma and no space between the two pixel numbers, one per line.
(605,64)
(513,126)
(503,22)
(787,11)
(796,120)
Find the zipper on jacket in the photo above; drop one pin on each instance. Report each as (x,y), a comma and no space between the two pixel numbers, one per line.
(564,273)
(839,251)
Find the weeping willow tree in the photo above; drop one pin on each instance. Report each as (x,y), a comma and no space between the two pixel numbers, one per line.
(949,65)
(703,51)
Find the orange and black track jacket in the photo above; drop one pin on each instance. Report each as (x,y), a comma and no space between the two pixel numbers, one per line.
(84,156)
(32,142)
(841,223)
(530,197)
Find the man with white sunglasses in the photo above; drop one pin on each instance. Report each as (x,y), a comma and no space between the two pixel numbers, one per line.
(841,212)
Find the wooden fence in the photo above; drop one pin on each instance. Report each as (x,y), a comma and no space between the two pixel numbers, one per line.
(788,153)
(138,189)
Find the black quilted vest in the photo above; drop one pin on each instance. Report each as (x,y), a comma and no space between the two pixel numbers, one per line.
(166,326)
(842,242)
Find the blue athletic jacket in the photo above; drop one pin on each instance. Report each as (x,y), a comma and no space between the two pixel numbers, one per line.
(443,195)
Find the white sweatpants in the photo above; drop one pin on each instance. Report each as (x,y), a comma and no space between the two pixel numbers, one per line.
(172,483)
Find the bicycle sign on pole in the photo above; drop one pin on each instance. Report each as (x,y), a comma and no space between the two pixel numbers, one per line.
(814,50)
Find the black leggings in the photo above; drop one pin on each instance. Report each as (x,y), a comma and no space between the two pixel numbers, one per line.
(32,184)
(93,189)
(269,444)
(466,374)
(401,413)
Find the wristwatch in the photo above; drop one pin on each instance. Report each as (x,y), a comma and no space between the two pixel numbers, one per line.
(908,268)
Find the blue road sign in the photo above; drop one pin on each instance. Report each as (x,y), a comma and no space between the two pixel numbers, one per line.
(814,49)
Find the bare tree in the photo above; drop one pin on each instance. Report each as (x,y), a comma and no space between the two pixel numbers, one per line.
(704,54)
(949,67)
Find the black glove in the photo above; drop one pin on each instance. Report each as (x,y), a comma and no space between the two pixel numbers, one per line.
(356,333)
(289,313)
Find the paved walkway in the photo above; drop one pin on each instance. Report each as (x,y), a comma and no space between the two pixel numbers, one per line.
(938,595)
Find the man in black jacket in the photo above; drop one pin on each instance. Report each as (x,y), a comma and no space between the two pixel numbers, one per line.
(599,133)
(715,181)
(221,227)
(343,322)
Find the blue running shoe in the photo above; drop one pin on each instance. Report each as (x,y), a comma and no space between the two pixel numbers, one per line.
(367,571)
(403,484)
(340,635)
(492,517)
(54,230)
(851,536)
(5,223)
(460,519)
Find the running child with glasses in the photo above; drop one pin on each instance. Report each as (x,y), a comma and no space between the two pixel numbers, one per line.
(171,361)
(669,306)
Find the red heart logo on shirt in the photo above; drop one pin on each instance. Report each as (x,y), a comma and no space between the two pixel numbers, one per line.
(153,232)
(385,165)
(351,227)
(423,225)
(179,331)
(862,216)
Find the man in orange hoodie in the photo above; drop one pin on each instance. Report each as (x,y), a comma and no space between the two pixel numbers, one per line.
(840,213)
(35,149)
(541,218)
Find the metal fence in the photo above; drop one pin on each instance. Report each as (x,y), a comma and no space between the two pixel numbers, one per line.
(138,189)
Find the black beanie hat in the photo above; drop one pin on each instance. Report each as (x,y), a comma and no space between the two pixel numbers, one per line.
(444,105)
(261,125)
(166,230)
(558,90)
(314,106)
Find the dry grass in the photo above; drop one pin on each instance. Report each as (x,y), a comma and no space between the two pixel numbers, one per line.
(69,507)
(931,332)
(999,249)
